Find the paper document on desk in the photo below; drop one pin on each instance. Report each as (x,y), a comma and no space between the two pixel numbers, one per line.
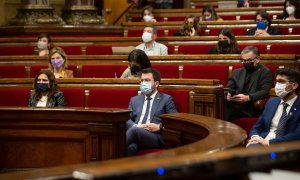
(275,174)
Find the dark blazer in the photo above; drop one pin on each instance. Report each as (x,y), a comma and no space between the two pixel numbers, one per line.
(271,31)
(292,131)
(57,100)
(162,104)
(260,85)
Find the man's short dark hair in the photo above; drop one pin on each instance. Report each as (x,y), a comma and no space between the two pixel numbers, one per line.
(44,35)
(252,49)
(154,29)
(291,74)
(154,72)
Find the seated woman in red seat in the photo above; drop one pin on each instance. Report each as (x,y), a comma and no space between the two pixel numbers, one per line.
(190,27)
(46,91)
(43,45)
(138,60)
(291,10)
(58,62)
(209,14)
(227,43)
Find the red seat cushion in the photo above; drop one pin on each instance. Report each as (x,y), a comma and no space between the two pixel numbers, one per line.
(285,49)
(171,48)
(72,50)
(262,48)
(16,50)
(167,70)
(200,71)
(10,71)
(180,98)
(102,71)
(194,48)
(14,97)
(98,50)
(245,123)
(74,97)
(35,69)
(110,98)
(296,31)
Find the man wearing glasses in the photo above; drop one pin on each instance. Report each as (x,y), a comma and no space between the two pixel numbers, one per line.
(280,121)
(248,84)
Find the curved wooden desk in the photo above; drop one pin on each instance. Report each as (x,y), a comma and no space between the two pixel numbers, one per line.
(190,135)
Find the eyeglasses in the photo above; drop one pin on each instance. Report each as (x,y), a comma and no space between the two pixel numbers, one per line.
(248,60)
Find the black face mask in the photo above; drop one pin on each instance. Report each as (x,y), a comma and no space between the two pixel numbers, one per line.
(249,67)
(135,69)
(224,43)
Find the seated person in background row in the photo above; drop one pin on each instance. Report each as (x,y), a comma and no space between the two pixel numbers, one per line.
(243,3)
(209,14)
(247,84)
(190,27)
(150,46)
(138,61)
(263,25)
(46,91)
(144,128)
(280,120)
(43,45)
(291,10)
(58,62)
(226,44)
(147,14)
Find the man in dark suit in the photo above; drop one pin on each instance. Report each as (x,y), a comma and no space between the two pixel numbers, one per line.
(144,128)
(247,84)
(280,120)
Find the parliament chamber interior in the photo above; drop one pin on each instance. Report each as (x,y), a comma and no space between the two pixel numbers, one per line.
(86,139)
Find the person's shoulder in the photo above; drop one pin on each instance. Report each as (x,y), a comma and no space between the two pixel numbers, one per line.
(140,46)
(58,93)
(160,44)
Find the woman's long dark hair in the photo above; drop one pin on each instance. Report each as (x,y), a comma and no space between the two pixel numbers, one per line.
(196,26)
(52,83)
(140,57)
(233,44)
(297,9)
(212,11)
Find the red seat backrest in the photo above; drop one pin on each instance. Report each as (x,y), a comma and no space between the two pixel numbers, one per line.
(176,18)
(139,33)
(74,97)
(296,31)
(194,48)
(74,69)
(262,48)
(200,71)
(228,17)
(14,97)
(16,50)
(110,98)
(284,30)
(167,70)
(102,71)
(72,50)
(247,16)
(35,69)
(236,31)
(11,71)
(285,49)
(180,98)
(98,50)
(171,48)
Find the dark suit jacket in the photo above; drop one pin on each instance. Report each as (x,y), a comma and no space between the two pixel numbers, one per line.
(57,100)
(271,31)
(292,131)
(260,85)
(162,104)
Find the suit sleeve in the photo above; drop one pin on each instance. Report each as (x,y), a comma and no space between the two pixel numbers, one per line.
(60,99)
(170,106)
(265,85)
(164,50)
(130,122)
(231,82)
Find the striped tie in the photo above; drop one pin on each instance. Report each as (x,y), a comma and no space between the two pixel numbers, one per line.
(282,121)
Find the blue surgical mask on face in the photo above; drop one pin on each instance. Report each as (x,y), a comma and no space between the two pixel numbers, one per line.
(146,88)
(42,87)
(261,25)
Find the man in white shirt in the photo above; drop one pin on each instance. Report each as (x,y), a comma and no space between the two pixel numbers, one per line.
(150,46)
(280,120)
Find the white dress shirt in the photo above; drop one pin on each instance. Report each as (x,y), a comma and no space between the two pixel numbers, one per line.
(145,107)
(156,49)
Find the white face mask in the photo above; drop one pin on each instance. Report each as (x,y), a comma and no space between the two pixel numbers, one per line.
(290,10)
(280,90)
(147,18)
(147,37)
(42,45)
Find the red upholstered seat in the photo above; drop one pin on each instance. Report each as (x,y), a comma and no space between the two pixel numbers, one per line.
(228,17)
(102,71)
(199,71)
(194,48)
(247,16)
(167,70)
(245,123)
(74,69)
(285,49)
(180,98)
(10,71)
(176,18)
(72,50)
(14,97)
(35,69)
(139,32)
(296,31)
(262,48)
(74,97)
(236,31)
(171,48)
(172,31)
(98,50)
(16,50)
(284,30)
(110,98)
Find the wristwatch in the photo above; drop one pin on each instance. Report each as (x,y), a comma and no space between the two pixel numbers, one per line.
(161,127)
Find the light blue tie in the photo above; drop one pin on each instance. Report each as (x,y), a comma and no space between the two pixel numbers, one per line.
(147,110)
(282,121)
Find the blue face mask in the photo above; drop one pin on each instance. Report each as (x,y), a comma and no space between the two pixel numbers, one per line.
(42,87)
(146,88)
(261,25)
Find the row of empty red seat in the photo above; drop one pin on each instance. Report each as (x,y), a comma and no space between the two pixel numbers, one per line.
(100,98)
(191,71)
(283,48)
